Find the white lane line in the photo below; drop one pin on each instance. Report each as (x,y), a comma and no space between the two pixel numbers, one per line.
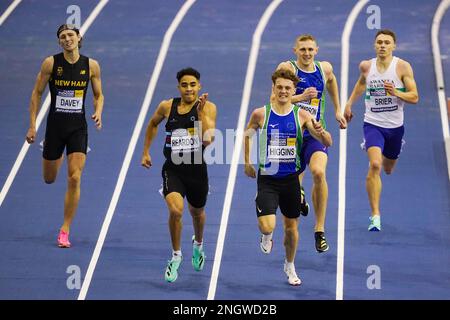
(23,151)
(238,144)
(132,145)
(9,10)
(345,44)
(443,6)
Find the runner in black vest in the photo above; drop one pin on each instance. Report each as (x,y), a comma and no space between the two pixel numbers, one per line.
(68,74)
(191,121)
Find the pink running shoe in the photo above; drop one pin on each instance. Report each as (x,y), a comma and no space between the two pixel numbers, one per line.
(63,239)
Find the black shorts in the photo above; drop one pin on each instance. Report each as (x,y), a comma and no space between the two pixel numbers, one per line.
(188,180)
(63,134)
(282,192)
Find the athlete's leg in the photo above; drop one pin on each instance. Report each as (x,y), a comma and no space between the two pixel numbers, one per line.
(175,204)
(198,220)
(290,237)
(266,223)
(389,165)
(373,180)
(317,166)
(75,165)
(50,169)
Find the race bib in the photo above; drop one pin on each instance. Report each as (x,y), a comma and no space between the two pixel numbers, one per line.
(311,106)
(282,150)
(185,140)
(69,101)
(381,101)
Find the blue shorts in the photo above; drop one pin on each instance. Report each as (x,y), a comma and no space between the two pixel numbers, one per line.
(390,141)
(309,146)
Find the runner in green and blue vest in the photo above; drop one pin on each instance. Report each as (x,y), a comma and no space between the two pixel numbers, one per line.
(314,76)
(388,82)
(281,125)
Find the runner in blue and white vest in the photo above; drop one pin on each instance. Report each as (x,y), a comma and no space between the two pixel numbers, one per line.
(388,82)
(315,77)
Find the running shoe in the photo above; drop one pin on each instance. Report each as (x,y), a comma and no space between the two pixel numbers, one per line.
(375,223)
(198,256)
(171,273)
(304,206)
(293,279)
(265,245)
(321,242)
(63,239)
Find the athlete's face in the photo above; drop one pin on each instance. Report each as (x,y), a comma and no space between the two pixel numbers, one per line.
(384,45)
(283,90)
(306,51)
(189,88)
(69,40)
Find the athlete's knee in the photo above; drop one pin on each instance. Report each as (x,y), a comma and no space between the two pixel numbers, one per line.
(175,211)
(197,212)
(318,174)
(266,227)
(291,229)
(375,166)
(388,170)
(74,179)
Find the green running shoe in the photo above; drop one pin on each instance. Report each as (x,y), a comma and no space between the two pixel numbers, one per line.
(198,256)
(171,273)
(375,223)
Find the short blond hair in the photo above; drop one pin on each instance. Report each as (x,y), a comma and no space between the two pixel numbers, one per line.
(305,37)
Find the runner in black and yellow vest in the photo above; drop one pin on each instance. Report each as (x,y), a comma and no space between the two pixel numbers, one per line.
(281,127)
(190,125)
(68,74)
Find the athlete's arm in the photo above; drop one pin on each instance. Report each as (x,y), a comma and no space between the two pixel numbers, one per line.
(39,86)
(405,72)
(207,113)
(358,89)
(255,122)
(96,81)
(332,88)
(314,127)
(161,112)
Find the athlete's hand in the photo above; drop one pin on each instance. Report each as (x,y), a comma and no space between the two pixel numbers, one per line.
(318,127)
(250,170)
(348,114)
(309,93)
(146,160)
(97,119)
(201,102)
(341,120)
(390,88)
(31,135)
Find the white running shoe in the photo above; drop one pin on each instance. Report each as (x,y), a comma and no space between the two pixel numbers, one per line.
(266,245)
(293,279)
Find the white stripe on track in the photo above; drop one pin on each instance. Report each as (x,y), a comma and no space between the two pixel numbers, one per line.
(23,151)
(443,6)
(345,44)
(132,145)
(9,10)
(238,144)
